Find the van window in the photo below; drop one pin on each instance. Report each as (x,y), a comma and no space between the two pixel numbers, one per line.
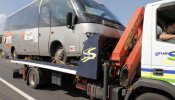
(45,16)
(23,19)
(59,10)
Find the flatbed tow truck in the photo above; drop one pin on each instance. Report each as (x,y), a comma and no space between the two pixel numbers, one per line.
(138,67)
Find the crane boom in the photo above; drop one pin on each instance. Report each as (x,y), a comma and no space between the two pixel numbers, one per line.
(126,55)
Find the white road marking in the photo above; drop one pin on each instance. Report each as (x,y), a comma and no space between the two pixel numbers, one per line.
(17,90)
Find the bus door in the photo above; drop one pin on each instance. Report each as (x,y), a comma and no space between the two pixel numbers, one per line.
(44,29)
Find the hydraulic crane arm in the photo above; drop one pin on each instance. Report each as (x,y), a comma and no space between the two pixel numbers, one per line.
(126,55)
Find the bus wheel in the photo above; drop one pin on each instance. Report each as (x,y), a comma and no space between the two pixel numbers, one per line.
(151,96)
(60,56)
(34,78)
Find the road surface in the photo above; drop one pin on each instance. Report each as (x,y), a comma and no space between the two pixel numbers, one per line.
(16,89)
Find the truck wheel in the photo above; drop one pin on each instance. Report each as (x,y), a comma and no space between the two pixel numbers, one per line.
(14,54)
(151,96)
(60,56)
(34,78)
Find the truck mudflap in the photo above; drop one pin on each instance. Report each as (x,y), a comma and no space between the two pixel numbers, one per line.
(154,84)
(46,65)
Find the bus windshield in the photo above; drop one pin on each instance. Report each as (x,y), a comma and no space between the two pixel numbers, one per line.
(92,7)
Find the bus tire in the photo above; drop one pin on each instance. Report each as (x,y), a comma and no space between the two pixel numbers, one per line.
(60,55)
(151,96)
(34,78)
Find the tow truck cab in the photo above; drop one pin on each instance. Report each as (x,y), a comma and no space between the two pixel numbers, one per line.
(157,58)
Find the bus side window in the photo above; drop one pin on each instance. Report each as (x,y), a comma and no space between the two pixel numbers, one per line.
(45,16)
(59,10)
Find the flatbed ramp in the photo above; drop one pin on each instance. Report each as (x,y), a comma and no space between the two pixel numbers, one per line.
(47,65)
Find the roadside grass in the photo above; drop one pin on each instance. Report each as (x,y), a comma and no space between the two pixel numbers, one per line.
(0,53)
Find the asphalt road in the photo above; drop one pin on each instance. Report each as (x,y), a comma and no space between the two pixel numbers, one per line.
(16,89)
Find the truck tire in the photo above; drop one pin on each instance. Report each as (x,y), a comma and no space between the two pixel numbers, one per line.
(34,78)
(14,54)
(60,56)
(152,96)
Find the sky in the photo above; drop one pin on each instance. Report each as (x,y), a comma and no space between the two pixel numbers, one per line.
(122,9)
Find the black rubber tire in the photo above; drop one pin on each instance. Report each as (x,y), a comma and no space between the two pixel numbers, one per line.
(152,96)
(14,54)
(34,78)
(64,58)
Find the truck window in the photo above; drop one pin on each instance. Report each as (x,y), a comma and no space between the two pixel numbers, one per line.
(166,24)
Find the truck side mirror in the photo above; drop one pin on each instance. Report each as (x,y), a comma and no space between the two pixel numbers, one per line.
(69,20)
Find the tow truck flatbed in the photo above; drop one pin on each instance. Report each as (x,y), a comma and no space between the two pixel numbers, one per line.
(47,65)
